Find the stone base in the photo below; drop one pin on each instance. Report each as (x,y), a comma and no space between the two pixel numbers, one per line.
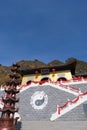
(7,124)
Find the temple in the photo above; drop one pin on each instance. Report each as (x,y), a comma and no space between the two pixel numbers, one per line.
(55,73)
(46,94)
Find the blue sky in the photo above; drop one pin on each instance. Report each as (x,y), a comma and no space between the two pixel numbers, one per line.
(42,29)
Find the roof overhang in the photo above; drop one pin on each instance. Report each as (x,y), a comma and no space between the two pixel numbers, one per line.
(66,66)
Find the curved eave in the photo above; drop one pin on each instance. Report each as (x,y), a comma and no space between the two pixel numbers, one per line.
(11,90)
(10,99)
(9,109)
(67,66)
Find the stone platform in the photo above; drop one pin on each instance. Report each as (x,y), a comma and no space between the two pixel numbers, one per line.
(47,125)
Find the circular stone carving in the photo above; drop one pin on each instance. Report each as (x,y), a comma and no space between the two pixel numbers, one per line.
(39,100)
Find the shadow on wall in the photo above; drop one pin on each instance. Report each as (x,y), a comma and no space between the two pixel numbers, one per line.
(18,126)
(85,109)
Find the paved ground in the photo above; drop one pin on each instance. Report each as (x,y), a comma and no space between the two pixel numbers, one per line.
(47,125)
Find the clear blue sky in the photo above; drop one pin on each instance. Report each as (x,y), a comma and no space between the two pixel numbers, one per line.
(42,29)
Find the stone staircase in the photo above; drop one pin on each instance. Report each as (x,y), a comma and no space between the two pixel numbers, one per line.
(68,106)
(82,86)
(56,97)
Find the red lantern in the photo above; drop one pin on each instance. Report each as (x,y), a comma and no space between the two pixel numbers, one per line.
(36,72)
(53,70)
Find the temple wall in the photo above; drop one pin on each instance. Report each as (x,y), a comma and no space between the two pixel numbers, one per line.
(53,76)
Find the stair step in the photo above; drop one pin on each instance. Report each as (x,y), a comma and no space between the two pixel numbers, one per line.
(47,125)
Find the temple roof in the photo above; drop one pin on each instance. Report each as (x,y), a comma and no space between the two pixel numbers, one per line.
(9,109)
(10,90)
(10,99)
(66,66)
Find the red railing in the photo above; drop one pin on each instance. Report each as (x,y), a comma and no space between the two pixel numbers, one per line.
(48,81)
(70,87)
(70,101)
